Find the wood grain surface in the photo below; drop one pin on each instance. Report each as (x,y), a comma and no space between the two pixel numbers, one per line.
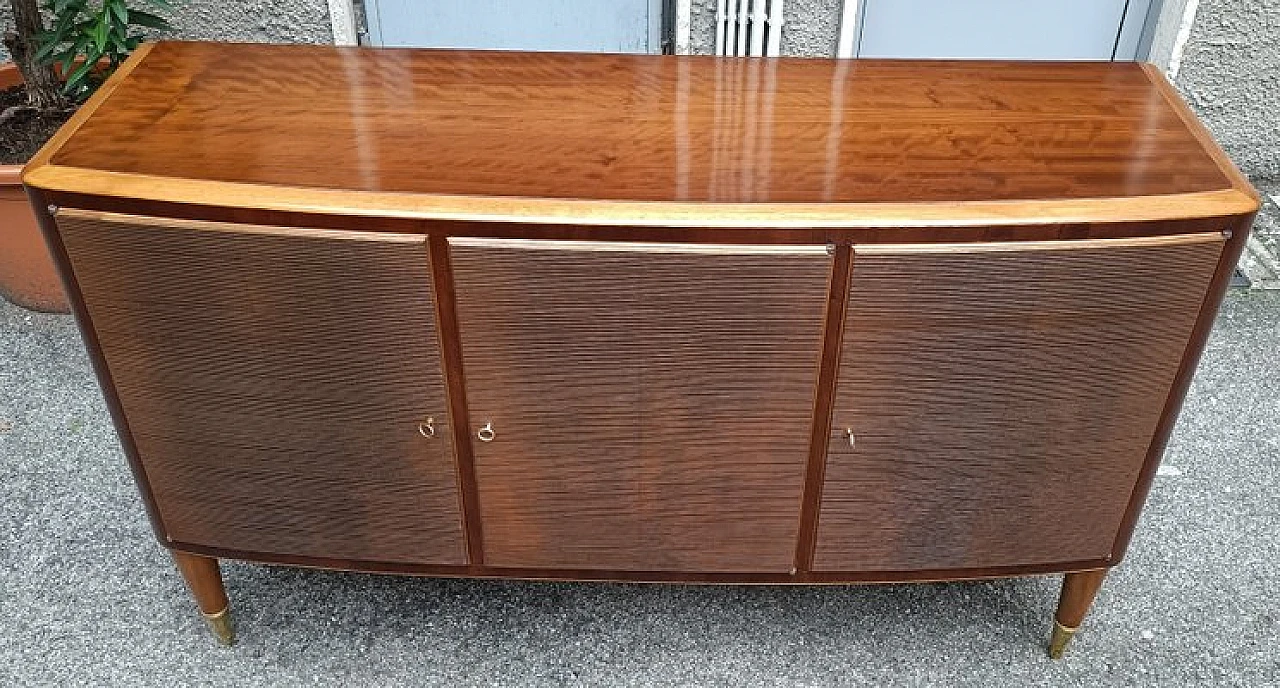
(273,380)
(204,579)
(1002,398)
(651,404)
(1078,591)
(647,140)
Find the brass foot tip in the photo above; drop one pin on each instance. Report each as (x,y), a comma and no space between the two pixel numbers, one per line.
(220,625)
(1061,638)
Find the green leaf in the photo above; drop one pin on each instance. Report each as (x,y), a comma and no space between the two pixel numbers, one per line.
(77,49)
(100,32)
(46,50)
(64,24)
(78,76)
(86,33)
(68,62)
(147,19)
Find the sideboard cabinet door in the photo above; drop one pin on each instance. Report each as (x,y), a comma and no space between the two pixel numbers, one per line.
(649,405)
(279,383)
(996,401)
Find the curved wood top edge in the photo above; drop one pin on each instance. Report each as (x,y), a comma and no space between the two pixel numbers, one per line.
(42,156)
(509,209)
(1202,134)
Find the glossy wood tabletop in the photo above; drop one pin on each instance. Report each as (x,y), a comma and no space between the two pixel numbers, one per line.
(629,129)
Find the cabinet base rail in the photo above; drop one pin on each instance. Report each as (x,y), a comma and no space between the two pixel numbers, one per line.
(204,578)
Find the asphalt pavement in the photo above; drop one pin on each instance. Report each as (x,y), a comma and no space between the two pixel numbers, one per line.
(88,598)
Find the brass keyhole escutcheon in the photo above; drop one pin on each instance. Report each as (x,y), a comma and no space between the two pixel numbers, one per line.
(427,428)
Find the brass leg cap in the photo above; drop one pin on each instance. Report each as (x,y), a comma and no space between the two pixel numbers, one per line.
(221,626)
(1061,638)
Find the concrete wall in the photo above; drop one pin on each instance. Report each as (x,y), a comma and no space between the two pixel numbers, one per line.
(290,21)
(1165,35)
(6,25)
(702,27)
(1230,74)
(809,27)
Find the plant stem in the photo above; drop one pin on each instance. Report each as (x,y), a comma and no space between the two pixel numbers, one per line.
(44,90)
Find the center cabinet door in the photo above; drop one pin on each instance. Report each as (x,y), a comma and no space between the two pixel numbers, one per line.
(649,404)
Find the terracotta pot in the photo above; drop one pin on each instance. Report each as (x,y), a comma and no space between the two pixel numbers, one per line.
(27,275)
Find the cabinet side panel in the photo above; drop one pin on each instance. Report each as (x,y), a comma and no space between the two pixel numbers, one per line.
(1002,401)
(273,380)
(652,409)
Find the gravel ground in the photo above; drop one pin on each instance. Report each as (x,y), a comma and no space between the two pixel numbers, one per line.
(1261,260)
(87,597)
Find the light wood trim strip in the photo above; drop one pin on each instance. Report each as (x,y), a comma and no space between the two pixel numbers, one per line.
(1024,246)
(236,228)
(637,213)
(108,87)
(640,247)
(1202,134)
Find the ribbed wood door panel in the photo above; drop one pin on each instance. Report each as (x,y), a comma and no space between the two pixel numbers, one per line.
(273,380)
(652,404)
(1002,398)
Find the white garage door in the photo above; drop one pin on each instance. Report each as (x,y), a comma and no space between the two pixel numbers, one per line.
(627,26)
(1008,29)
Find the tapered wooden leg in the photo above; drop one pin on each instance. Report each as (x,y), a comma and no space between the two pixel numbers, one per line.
(1078,591)
(205,581)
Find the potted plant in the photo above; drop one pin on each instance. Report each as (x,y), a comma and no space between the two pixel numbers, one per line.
(85,42)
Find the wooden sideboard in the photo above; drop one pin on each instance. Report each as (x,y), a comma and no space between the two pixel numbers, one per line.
(641,318)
